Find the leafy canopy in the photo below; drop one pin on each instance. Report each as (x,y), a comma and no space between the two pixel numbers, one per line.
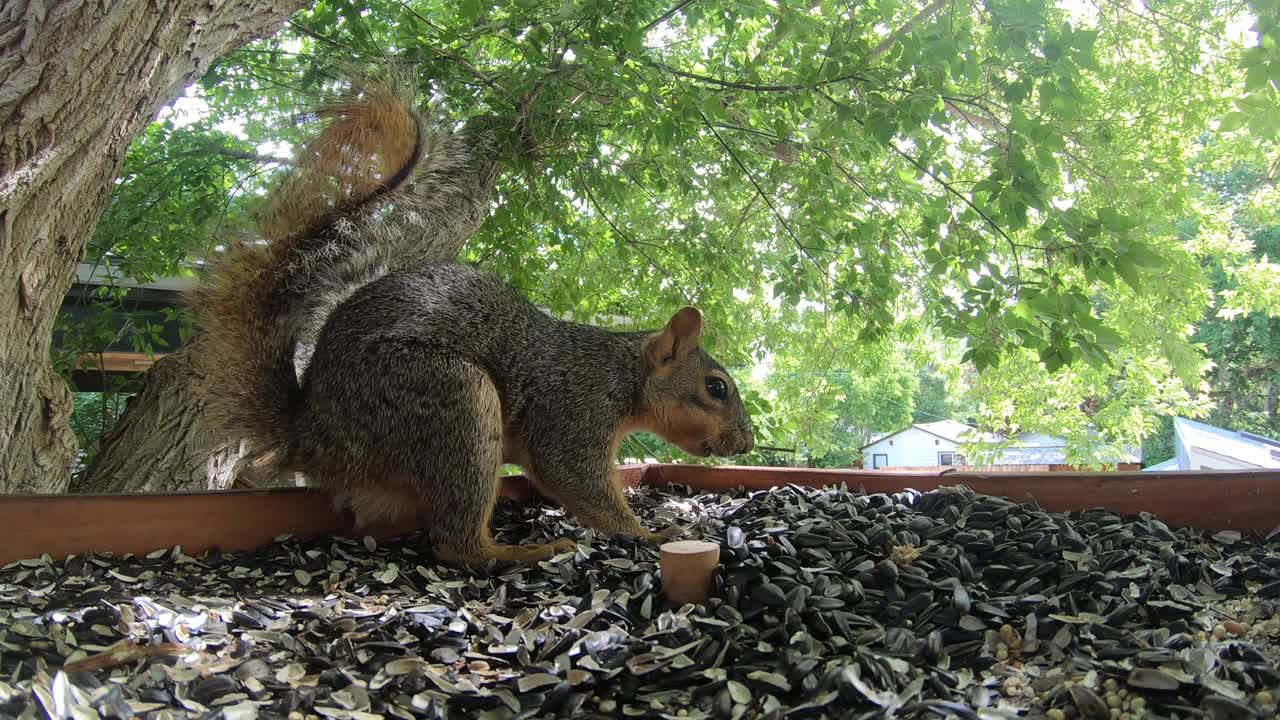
(843,188)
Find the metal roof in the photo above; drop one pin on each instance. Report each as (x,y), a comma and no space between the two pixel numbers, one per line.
(1264,452)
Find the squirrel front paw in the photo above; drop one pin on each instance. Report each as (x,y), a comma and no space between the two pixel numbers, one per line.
(563,545)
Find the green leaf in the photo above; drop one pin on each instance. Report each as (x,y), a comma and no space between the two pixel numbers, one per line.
(1114,221)
(634,40)
(1146,257)
(882,126)
(1107,338)
(1266,123)
(1232,121)
(1128,271)
(1256,78)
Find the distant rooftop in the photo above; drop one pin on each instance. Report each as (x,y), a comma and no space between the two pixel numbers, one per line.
(91,274)
(1023,449)
(952,430)
(1243,446)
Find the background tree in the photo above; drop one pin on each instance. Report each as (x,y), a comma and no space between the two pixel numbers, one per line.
(943,394)
(1009,177)
(1244,342)
(1239,331)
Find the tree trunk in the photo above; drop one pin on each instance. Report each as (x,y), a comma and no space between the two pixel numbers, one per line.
(181,455)
(1227,402)
(78,81)
(163,442)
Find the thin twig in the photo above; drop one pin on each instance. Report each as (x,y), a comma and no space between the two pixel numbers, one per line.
(945,185)
(754,87)
(625,237)
(480,75)
(782,220)
(666,16)
(888,43)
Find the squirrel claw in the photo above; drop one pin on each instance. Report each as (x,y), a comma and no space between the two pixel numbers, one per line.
(670,532)
(562,545)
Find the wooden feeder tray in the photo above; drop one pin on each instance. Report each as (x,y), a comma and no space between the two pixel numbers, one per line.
(62,525)
(787,602)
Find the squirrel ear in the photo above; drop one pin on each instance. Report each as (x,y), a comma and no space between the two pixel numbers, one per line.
(676,340)
(686,324)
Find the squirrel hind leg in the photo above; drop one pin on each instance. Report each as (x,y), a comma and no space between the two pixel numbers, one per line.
(457,457)
(461,512)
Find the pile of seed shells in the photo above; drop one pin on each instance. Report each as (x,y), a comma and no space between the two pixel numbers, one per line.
(830,603)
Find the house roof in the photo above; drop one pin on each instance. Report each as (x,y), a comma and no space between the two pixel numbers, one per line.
(948,430)
(951,430)
(1048,451)
(1170,464)
(91,274)
(1245,447)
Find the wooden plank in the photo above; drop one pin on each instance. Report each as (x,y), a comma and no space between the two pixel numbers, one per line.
(119,362)
(62,525)
(729,477)
(1219,500)
(1246,500)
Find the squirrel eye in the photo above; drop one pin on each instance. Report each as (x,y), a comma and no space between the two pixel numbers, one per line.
(717,389)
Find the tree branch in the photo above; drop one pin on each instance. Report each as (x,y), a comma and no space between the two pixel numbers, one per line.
(625,237)
(875,202)
(479,74)
(946,186)
(781,220)
(666,15)
(754,87)
(977,121)
(245,155)
(925,13)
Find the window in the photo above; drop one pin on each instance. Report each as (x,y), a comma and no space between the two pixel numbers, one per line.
(879,460)
(946,459)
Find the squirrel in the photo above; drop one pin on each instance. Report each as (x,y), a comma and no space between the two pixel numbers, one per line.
(423,381)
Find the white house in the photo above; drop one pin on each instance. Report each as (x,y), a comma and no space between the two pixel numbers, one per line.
(919,445)
(938,444)
(1199,446)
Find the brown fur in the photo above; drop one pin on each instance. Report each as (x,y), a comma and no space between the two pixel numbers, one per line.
(324,234)
(423,382)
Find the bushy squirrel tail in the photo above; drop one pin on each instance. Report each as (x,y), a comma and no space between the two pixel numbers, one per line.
(320,224)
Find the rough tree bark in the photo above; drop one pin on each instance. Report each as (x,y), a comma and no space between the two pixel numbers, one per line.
(78,81)
(163,443)
(168,449)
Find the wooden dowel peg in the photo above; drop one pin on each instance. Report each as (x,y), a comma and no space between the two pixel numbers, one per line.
(688,570)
